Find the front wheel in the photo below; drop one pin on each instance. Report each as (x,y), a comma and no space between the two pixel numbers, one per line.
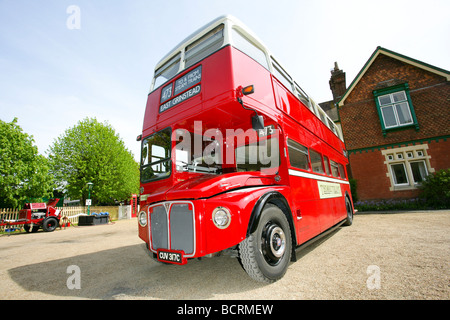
(49,224)
(266,253)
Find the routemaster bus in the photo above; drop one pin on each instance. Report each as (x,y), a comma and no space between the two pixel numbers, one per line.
(235,157)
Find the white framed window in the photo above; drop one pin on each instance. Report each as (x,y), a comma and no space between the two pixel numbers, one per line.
(395,109)
(419,171)
(399,175)
(407,167)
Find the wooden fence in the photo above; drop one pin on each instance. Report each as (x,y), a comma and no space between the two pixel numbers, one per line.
(71,213)
(9,214)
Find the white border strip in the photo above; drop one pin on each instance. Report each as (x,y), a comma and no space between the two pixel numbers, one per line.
(315,176)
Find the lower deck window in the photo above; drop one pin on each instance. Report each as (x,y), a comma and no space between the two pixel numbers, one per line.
(258,156)
(334,169)
(298,155)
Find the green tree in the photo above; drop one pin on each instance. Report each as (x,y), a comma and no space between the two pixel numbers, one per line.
(93,152)
(24,174)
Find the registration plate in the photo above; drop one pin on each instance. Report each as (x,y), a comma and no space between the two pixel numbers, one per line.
(171,257)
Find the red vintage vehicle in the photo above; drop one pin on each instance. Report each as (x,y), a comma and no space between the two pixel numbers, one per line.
(236,157)
(36,215)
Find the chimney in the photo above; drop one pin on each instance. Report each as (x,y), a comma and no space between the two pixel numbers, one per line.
(337,83)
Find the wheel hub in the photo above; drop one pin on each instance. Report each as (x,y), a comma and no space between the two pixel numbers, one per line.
(273,243)
(278,242)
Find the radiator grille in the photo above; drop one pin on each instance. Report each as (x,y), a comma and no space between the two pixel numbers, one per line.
(172,227)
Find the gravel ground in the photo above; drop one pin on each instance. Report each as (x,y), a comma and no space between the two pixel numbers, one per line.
(382,256)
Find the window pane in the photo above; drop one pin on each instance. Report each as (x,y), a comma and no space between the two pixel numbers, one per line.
(282,76)
(399,96)
(403,112)
(303,97)
(334,169)
(155,156)
(203,47)
(167,71)
(384,99)
(341,171)
(258,156)
(399,173)
(323,118)
(325,162)
(298,155)
(243,44)
(388,117)
(316,161)
(419,171)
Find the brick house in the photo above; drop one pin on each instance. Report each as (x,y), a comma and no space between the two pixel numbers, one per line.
(395,116)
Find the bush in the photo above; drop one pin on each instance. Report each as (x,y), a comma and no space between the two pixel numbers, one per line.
(436,190)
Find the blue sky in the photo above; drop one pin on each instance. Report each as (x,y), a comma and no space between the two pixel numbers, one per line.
(52,76)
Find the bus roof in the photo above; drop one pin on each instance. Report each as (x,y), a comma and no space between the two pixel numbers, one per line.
(205,29)
(234,22)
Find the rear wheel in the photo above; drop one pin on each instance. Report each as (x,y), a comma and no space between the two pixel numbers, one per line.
(31,228)
(266,253)
(49,224)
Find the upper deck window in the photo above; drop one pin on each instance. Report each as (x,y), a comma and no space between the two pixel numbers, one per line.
(204,46)
(303,97)
(167,71)
(246,46)
(282,75)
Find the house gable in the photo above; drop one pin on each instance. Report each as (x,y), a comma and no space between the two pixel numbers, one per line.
(401,59)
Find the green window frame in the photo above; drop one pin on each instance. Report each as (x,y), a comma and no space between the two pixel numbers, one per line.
(395,109)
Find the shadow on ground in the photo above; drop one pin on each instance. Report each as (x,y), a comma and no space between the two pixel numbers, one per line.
(129,273)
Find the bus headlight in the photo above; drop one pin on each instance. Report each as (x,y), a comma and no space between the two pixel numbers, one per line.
(221,217)
(143,218)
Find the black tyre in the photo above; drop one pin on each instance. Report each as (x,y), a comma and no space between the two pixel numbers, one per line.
(349,208)
(49,224)
(266,253)
(29,228)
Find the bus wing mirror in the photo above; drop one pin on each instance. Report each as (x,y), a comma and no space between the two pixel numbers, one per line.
(257,122)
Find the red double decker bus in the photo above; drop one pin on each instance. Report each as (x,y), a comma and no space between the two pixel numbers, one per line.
(236,158)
